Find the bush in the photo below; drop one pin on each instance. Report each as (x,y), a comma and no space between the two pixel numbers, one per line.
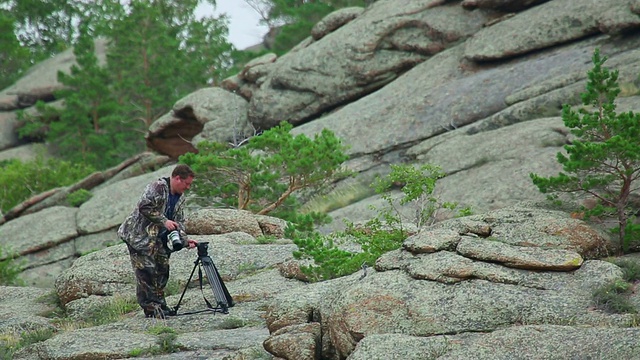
(79,197)
(346,252)
(21,180)
(334,255)
(8,349)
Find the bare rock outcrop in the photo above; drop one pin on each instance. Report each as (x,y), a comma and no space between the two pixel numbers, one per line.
(462,276)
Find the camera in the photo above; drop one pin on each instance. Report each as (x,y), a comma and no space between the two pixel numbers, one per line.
(174,238)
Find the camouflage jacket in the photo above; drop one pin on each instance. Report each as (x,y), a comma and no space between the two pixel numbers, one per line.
(140,229)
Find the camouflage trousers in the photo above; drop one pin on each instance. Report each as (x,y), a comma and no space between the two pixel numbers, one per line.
(152,275)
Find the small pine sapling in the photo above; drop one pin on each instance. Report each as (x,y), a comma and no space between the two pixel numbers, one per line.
(603,162)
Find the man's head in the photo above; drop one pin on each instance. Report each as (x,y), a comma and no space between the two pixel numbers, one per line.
(181,178)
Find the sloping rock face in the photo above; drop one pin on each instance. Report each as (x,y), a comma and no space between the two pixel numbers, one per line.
(483,274)
(475,86)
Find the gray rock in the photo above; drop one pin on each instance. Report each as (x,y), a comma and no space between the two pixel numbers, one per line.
(520,257)
(34,232)
(8,135)
(333,21)
(357,59)
(111,204)
(542,26)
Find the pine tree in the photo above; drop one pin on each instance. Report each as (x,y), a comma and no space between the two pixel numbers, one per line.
(262,175)
(81,134)
(157,53)
(603,161)
(14,59)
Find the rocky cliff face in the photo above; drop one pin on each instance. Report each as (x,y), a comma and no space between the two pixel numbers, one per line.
(475,86)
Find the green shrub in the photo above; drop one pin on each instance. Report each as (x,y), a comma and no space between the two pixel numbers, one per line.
(112,311)
(266,239)
(334,256)
(21,180)
(79,197)
(346,252)
(166,340)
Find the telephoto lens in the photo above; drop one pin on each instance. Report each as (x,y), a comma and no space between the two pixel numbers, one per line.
(176,243)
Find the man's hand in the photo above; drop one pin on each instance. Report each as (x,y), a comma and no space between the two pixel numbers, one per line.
(170,225)
(192,243)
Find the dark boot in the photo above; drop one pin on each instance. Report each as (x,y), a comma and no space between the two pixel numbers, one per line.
(154,312)
(168,311)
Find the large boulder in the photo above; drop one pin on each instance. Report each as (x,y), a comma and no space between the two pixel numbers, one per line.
(468,275)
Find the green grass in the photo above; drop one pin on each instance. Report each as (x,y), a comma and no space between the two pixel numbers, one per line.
(10,269)
(613,298)
(10,344)
(166,342)
(113,310)
(109,312)
(266,239)
(630,269)
(173,288)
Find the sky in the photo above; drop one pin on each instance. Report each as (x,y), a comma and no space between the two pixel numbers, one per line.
(244,29)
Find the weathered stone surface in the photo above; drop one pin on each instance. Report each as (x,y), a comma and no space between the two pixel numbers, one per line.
(295,342)
(542,26)
(429,241)
(111,204)
(8,136)
(23,311)
(333,21)
(34,232)
(550,341)
(41,81)
(619,19)
(537,227)
(388,302)
(505,5)
(358,58)
(220,221)
(443,266)
(520,257)
(21,152)
(488,124)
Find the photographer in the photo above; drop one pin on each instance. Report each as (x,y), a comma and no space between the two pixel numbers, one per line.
(157,222)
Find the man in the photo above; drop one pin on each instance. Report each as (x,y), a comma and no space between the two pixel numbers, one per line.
(159,210)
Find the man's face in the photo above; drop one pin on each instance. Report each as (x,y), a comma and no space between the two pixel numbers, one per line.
(181,185)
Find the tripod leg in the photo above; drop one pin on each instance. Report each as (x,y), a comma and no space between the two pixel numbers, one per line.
(217,286)
(195,266)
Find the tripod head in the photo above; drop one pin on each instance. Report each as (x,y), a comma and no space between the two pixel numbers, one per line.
(202,249)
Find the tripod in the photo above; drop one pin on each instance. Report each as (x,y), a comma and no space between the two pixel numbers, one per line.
(220,292)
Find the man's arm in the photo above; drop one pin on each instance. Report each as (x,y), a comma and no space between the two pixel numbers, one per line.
(151,204)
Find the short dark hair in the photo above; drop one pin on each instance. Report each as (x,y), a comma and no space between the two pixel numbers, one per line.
(183,171)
